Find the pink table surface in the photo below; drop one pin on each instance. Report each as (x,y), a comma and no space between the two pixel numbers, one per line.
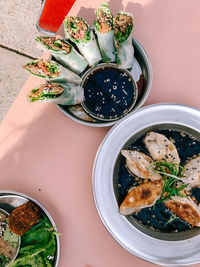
(50,157)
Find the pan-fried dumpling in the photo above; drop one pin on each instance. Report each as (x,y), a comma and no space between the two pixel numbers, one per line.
(192,172)
(138,163)
(142,196)
(185,208)
(161,148)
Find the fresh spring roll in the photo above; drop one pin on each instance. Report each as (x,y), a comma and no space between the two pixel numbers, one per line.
(105,33)
(123,25)
(52,71)
(79,32)
(58,93)
(64,53)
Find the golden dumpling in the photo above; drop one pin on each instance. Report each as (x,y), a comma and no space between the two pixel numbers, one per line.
(161,148)
(138,163)
(142,196)
(185,208)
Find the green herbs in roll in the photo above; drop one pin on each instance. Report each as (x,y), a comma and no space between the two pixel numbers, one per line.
(105,33)
(51,71)
(64,53)
(79,32)
(63,94)
(123,25)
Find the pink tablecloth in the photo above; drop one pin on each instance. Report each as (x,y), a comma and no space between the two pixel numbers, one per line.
(49,157)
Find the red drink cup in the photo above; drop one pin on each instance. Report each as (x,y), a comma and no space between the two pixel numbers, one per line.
(52,14)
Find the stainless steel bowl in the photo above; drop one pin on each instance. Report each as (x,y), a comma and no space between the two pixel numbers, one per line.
(9,200)
(76,113)
(161,248)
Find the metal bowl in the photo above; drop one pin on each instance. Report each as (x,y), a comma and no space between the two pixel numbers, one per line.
(9,200)
(78,114)
(161,248)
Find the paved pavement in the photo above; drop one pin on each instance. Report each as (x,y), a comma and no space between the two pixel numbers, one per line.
(17,46)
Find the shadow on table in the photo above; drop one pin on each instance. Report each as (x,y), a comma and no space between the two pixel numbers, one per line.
(89,13)
(43,159)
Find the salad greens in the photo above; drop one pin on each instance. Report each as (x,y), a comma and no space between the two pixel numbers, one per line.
(38,246)
(3,260)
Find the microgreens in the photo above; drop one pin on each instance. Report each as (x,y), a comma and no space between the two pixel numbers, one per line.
(170,174)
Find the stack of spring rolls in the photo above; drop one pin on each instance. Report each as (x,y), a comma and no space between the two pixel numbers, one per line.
(113,42)
(109,42)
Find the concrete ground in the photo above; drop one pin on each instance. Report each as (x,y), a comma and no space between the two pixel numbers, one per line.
(17,45)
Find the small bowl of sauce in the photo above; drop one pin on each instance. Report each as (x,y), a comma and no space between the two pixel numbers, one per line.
(109,92)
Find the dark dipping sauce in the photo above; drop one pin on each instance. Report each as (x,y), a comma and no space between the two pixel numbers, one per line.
(109,93)
(158,217)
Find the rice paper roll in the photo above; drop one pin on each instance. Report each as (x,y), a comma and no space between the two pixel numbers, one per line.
(66,76)
(79,32)
(64,53)
(136,70)
(52,71)
(105,33)
(123,25)
(58,93)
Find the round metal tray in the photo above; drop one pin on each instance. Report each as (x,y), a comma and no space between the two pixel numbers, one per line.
(9,200)
(77,113)
(181,248)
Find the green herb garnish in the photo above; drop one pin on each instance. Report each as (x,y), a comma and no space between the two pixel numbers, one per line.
(52,68)
(170,174)
(172,218)
(58,43)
